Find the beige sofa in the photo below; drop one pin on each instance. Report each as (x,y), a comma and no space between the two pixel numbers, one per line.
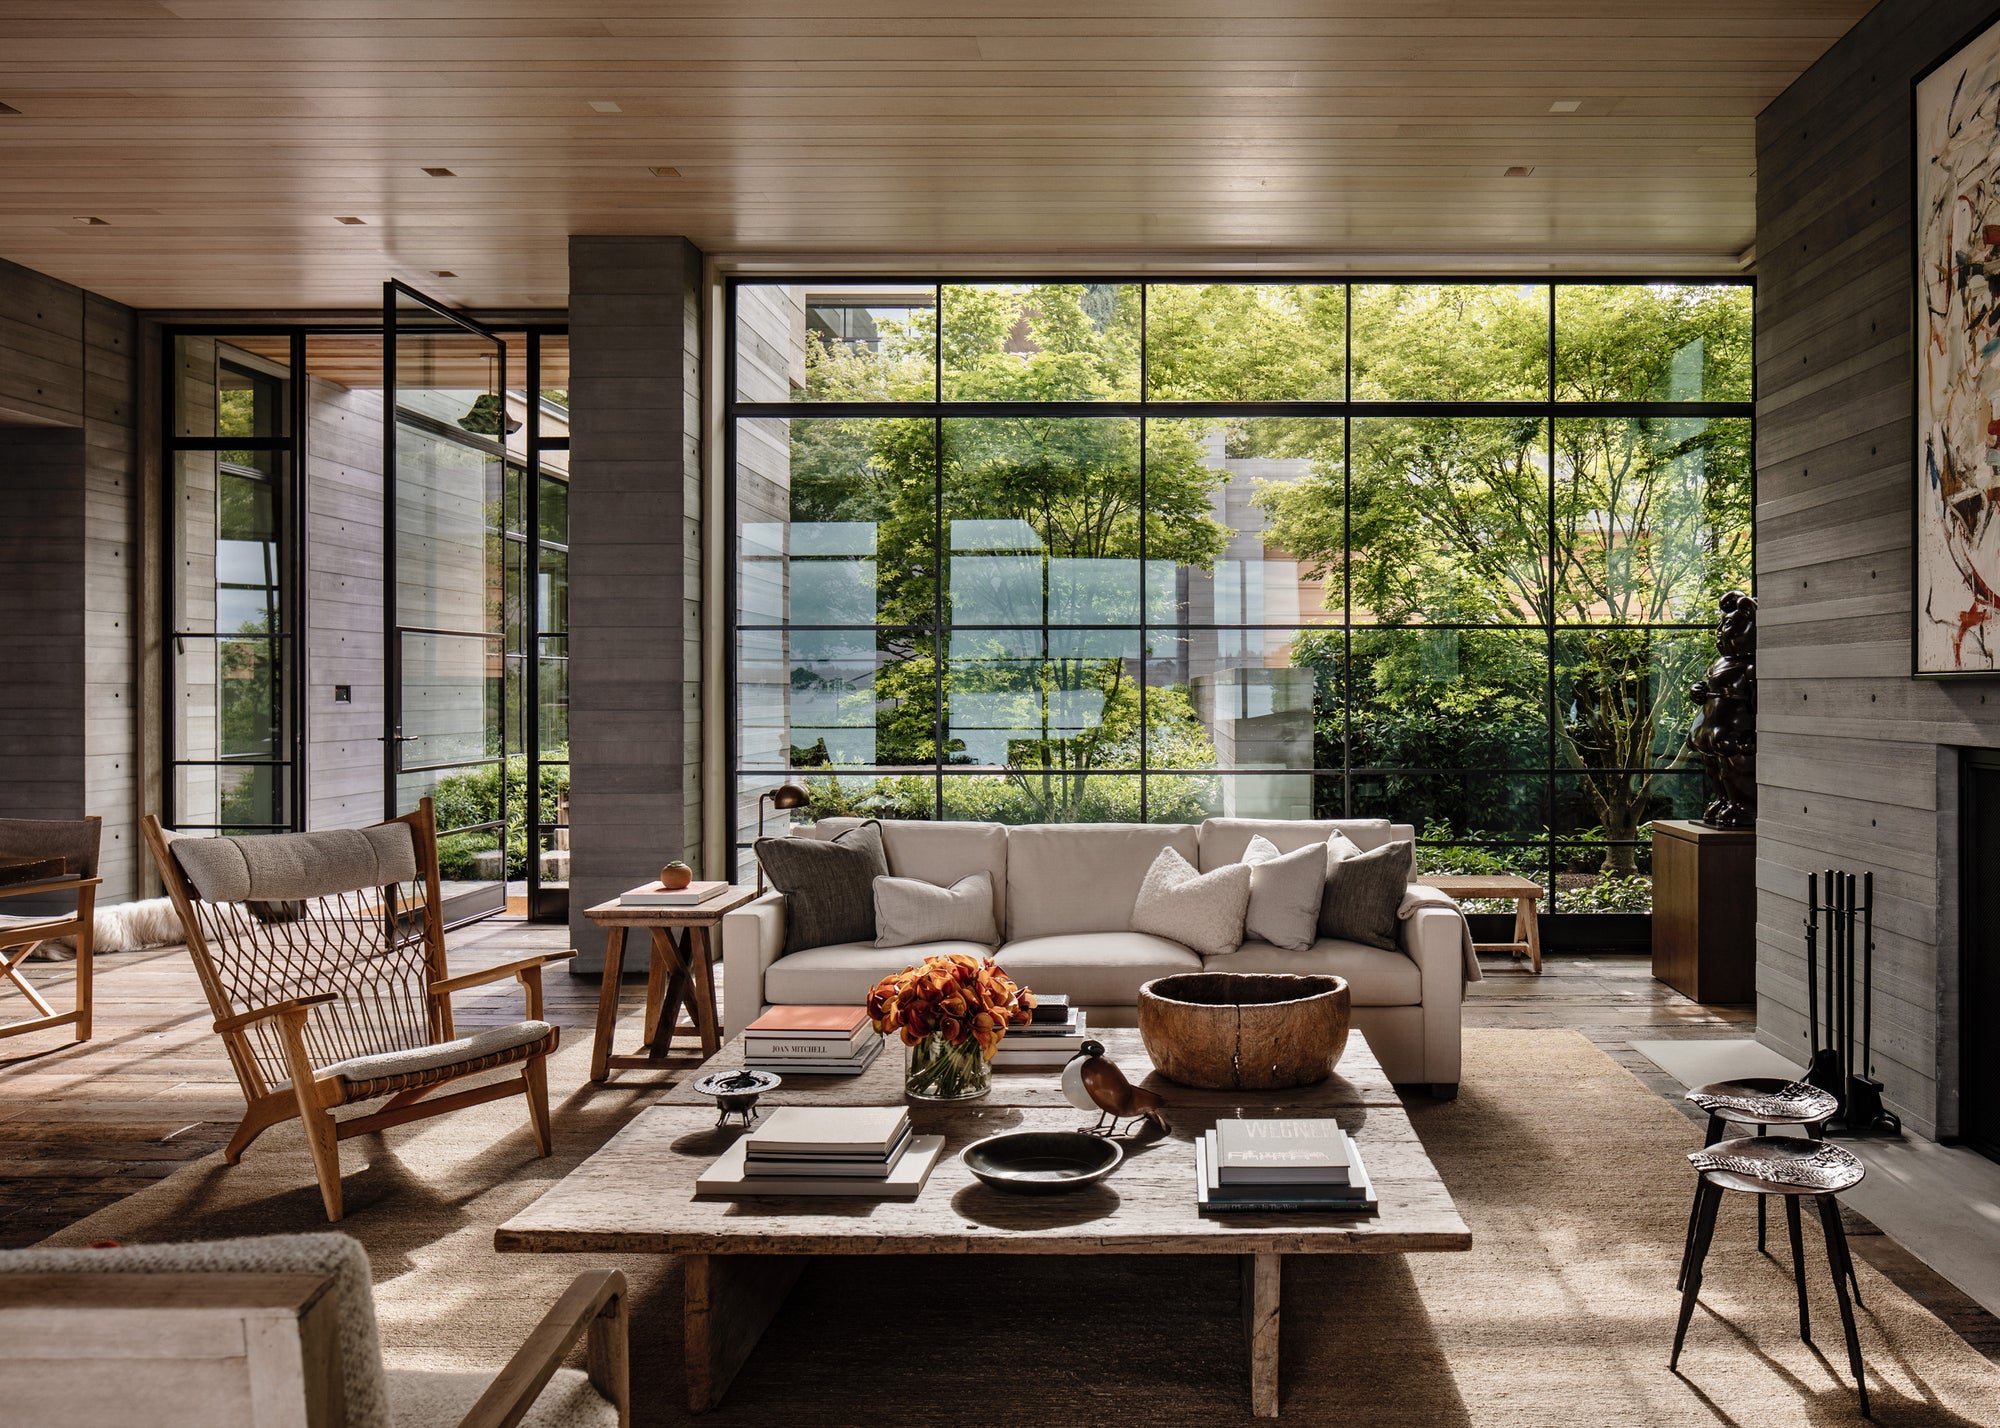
(1063,898)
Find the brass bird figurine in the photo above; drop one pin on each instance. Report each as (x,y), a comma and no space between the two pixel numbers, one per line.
(1093,1082)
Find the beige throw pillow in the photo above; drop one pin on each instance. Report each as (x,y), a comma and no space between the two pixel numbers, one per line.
(910,912)
(1201,911)
(1285,891)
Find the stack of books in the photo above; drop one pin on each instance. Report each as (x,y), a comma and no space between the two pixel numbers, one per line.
(827,1150)
(1055,1035)
(1279,1164)
(654,895)
(812,1041)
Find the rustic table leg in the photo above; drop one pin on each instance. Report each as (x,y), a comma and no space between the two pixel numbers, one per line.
(1532,925)
(727,1300)
(607,1005)
(702,996)
(656,980)
(1261,1277)
(666,1013)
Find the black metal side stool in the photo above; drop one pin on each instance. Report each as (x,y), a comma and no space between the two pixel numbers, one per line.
(1796,1169)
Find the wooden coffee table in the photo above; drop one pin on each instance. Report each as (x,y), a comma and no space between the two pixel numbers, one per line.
(740,1258)
(1524,892)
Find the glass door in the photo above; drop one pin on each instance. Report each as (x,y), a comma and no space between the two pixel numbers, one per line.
(445,465)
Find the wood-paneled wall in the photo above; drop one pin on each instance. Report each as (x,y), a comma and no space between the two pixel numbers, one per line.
(1856,761)
(68,676)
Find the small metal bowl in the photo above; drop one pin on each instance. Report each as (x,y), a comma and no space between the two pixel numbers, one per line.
(1042,1162)
(736,1093)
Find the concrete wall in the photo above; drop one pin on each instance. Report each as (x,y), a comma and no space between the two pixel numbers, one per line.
(1856,763)
(635,576)
(69,514)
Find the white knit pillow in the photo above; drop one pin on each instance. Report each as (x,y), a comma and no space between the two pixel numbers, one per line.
(910,912)
(1285,889)
(1201,911)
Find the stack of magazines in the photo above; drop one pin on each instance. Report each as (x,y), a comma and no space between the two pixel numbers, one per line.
(1279,1163)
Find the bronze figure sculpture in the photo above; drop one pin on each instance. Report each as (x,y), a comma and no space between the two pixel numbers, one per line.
(1724,731)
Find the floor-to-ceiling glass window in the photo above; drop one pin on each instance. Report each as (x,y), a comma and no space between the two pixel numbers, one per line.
(1442,552)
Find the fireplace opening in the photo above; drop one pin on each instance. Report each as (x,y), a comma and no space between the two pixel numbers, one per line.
(1979,952)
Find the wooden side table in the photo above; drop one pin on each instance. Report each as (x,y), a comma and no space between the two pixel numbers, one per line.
(1525,892)
(679,975)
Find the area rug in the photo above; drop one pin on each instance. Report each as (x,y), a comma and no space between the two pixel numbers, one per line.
(1569,1172)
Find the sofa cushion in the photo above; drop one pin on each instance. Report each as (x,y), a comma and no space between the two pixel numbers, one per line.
(910,911)
(1364,895)
(829,884)
(1095,968)
(844,974)
(939,853)
(1083,877)
(1375,978)
(1285,891)
(1201,911)
(1224,839)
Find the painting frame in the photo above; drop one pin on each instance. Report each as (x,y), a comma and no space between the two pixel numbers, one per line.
(1955,379)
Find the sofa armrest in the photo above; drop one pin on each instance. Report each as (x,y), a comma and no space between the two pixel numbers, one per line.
(753,937)
(1434,937)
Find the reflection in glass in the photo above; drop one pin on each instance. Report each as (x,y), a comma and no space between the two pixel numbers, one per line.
(828,698)
(1653,517)
(1450,520)
(1450,342)
(1246,342)
(821,342)
(1041,342)
(1189,798)
(1653,342)
(1235,699)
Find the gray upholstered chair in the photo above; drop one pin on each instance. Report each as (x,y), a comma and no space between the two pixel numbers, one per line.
(323,958)
(280,1330)
(58,858)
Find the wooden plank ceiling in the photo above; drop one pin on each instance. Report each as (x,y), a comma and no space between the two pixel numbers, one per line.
(220,141)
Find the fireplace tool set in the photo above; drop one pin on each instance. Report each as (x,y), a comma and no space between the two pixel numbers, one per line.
(1847,920)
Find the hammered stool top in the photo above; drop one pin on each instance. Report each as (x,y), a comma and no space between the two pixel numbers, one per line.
(1778,1165)
(1765,1101)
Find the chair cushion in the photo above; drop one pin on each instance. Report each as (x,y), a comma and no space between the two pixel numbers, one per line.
(285,867)
(939,853)
(1375,977)
(829,884)
(339,1257)
(842,975)
(1096,968)
(481,1044)
(1201,911)
(436,1398)
(1083,877)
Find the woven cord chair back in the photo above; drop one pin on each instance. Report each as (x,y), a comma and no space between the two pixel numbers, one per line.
(353,912)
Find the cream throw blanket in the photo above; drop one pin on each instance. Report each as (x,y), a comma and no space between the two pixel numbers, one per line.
(1418,895)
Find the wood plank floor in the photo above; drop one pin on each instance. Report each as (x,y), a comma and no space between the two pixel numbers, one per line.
(84,1126)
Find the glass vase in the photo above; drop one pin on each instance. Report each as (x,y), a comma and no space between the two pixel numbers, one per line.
(940,1070)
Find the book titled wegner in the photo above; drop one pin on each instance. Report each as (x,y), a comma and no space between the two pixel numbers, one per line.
(1281,1151)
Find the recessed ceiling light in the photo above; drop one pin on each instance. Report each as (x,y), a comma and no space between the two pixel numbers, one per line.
(8,109)
(351,222)
(1566,106)
(664,172)
(1518,171)
(89,222)
(440,173)
(443,273)
(606,106)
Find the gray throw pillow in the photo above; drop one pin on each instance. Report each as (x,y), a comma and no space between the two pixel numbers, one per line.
(1363,893)
(1286,890)
(910,912)
(829,885)
(1201,911)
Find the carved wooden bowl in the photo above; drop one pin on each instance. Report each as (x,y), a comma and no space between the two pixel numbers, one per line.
(1245,1031)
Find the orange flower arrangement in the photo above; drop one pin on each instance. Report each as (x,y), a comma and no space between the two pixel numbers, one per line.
(957,998)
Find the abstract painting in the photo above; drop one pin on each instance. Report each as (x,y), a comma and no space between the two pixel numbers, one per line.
(1957,572)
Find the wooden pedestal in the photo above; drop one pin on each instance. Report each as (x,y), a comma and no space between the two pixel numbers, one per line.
(1705,911)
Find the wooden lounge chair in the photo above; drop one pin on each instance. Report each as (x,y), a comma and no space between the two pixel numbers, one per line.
(57,858)
(273,1332)
(323,958)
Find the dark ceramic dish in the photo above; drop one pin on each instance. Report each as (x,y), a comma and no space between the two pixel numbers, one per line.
(1042,1162)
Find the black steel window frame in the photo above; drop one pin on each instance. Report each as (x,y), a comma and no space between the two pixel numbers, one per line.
(1348,411)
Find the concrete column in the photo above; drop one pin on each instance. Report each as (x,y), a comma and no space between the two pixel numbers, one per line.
(635,567)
